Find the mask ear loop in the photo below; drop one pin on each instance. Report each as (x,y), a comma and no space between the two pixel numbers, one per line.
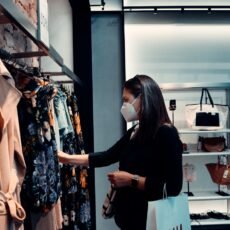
(135,101)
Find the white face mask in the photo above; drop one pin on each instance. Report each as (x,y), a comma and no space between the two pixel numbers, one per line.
(128,111)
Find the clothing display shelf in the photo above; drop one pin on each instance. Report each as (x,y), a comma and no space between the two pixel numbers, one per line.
(200,196)
(189,131)
(194,85)
(210,222)
(11,14)
(159,7)
(192,154)
(207,195)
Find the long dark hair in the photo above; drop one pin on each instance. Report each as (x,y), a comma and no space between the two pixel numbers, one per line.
(153,111)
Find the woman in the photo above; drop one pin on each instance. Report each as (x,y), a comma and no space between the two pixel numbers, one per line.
(149,154)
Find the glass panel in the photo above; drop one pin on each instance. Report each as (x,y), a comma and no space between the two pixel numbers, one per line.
(110,5)
(175,2)
(183,49)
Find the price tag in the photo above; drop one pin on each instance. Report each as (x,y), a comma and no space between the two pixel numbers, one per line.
(225,174)
(65,220)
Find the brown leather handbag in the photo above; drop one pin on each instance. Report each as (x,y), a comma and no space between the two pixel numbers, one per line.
(219,173)
(212,144)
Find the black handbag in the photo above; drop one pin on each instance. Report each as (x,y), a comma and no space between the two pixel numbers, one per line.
(205,118)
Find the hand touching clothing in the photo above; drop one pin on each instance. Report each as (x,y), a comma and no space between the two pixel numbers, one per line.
(118,179)
(81,159)
(64,157)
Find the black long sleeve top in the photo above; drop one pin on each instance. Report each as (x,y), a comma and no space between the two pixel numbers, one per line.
(159,161)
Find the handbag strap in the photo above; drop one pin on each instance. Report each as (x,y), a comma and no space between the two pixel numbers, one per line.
(206,91)
(209,96)
(165,195)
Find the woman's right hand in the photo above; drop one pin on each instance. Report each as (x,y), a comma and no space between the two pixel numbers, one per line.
(73,159)
(64,157)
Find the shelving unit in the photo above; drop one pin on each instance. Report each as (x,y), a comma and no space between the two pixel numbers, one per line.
(194,85)
(194,156)
(207,195)
(190,131)
(197,154)
(210,222)
(9,13)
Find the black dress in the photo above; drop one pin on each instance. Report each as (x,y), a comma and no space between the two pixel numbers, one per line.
(160,161)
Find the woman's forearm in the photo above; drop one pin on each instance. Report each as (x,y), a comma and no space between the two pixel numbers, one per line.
(73,159)
(122,179)
(79,160)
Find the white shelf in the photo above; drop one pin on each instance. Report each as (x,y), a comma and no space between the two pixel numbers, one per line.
(194,85)
(207,195)
(191,131)
(197,154)
(209,222)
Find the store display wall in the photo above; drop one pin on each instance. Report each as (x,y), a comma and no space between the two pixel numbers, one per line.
(173,2)
(28,7)
(13,40)
(60,34)
(178,48)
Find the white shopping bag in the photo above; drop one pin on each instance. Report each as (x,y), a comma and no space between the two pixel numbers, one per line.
(171,213)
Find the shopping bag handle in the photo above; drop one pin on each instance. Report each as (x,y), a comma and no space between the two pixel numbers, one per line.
(165,195)
(205,90)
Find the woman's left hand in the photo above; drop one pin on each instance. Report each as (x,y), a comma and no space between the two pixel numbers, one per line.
(120,179)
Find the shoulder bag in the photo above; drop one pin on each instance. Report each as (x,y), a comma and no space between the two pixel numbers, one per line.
(108,207)
(206,116)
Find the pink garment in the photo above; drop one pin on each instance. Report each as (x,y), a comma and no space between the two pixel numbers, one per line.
(51,220)
(47,221)
(58,212)
(12,164)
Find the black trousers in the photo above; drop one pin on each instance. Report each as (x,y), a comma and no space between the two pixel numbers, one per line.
(131,222)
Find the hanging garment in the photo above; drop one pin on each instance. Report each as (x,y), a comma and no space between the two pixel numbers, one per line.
(58,213)
(41,186)
(75,195)
(62,113)
(69,179)
(12,164)
(84,215)
(77,122)
(68,173)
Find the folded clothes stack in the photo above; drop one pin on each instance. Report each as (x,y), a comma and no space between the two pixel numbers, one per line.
(208,215)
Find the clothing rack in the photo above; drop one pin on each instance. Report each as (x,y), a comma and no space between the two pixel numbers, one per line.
(11,13)
(68,87)
(20,66)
